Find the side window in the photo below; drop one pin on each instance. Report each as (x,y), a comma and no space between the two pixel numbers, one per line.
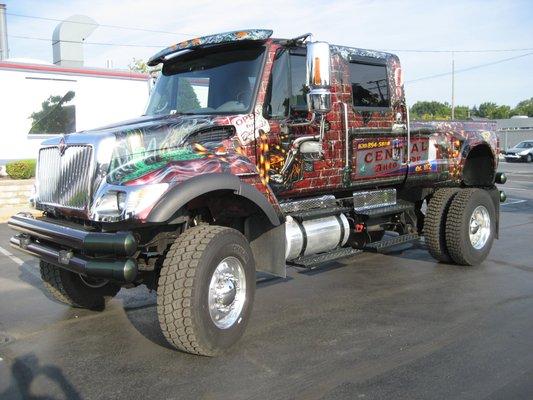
(298,89)
(369,85)
(279,88)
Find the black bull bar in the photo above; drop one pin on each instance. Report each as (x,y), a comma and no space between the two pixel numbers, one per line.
(66,247)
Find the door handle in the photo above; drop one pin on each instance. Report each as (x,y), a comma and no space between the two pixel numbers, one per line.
(396,149)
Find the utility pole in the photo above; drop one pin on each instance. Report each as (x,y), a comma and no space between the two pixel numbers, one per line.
(453,86)
(4,47)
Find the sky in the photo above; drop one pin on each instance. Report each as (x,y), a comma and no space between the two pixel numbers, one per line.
(395,25)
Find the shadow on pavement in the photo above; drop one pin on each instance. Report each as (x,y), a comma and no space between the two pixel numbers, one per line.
(25,369)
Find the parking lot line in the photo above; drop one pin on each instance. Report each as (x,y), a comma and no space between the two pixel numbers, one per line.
(11,256)
(513,202)
(518,180)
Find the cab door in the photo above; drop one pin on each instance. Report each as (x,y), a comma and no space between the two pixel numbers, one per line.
(378,130)
(285,108)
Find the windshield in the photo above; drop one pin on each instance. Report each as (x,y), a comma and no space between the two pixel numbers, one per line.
(524,145)
(208,82)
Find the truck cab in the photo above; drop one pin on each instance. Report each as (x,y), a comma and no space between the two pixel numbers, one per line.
(254,153)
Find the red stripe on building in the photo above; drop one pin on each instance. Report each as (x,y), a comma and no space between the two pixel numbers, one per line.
(53,69)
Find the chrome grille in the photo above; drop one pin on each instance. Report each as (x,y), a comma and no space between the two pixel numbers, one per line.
(64,180)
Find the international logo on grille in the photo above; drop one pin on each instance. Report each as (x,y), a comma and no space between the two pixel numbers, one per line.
(62,146)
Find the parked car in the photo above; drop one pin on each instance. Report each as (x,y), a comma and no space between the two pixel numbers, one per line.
(254,153)
(523,151)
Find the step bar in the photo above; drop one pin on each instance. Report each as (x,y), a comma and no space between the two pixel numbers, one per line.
(385,244)
(314,260)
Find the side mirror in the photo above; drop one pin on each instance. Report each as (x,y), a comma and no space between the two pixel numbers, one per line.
(318,77)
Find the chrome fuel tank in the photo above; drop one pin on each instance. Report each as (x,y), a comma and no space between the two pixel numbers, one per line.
(315,235)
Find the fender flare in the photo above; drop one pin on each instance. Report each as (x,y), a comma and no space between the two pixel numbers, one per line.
(182,193)
(484,147)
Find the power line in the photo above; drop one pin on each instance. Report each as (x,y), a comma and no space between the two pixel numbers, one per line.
(469,68)
(91,43)
(101,25)
(191,35)
(460,51)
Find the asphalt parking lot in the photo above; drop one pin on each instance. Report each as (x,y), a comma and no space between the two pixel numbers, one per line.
(394,326)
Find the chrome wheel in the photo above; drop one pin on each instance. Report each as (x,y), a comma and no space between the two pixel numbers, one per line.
(479,227)
(227,292)
(94,283)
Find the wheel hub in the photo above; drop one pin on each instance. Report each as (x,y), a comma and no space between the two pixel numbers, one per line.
(227,292)
(479,231)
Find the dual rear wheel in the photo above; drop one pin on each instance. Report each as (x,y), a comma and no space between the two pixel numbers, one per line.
(460,225)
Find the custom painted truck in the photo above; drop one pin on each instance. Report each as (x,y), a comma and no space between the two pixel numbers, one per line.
(254,153)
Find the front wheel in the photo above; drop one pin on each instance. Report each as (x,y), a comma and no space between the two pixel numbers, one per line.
(206,290)
(76,290)
(529,158)
(470,226)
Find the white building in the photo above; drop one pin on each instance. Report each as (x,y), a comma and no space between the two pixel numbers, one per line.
(514,130)
(39,100)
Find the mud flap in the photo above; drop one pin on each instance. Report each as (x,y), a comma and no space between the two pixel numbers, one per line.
(495,196)
(267,243)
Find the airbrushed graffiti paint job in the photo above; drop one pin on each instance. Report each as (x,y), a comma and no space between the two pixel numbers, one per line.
(167,149)
(174,151)
(449,145)
(218,38)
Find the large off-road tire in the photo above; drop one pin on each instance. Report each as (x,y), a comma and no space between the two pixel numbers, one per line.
(435,224)
(470,226)
(206,290)
(75,290)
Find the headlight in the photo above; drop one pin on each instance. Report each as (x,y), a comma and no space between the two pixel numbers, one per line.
(119,204)
(524,153)
(141,201)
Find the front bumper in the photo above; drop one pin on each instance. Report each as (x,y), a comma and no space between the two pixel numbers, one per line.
(94,254)
(514,157)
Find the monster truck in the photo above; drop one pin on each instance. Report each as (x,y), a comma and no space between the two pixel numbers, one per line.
(254,153)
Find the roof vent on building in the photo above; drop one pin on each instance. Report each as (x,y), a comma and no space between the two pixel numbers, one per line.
(68,37)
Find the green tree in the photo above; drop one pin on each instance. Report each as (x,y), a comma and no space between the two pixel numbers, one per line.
(492,110)
(487,109)
(525,107)
(430,110)
(140,66)
(501,112)
(462,112)
(187,99)
(55,116)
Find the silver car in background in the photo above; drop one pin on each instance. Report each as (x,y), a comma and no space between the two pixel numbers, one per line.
(523,151)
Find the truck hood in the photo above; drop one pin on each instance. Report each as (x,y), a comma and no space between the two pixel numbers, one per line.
(153,149)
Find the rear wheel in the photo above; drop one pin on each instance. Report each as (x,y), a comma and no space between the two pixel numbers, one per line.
(76,290)
(435,223)
(470,226)
(529,158)
(206,290)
